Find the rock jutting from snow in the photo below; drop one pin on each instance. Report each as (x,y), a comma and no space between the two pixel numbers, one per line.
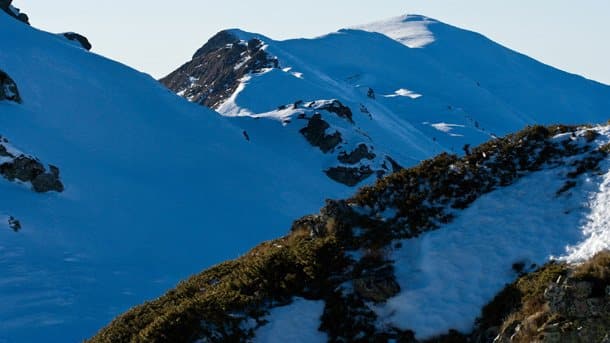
(28,169)
(315,133)
(16,166)
(8,8)
(215,70)
(82,40)
(350,176)
(8,88)
(360,153)
(335,106)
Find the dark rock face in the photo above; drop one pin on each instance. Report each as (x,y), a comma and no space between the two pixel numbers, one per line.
(349,176)
(315,133)
(47,182)
(339,109)
(82,40)
(5,5)
(360,153)
(22,168)
(215,70)
(8,88)
(28,169)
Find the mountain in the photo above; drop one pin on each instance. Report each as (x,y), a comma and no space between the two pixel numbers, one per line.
(152,187)
(387,94)
(427,254)
(115,188)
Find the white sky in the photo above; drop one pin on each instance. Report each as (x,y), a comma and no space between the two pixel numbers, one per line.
(157,36)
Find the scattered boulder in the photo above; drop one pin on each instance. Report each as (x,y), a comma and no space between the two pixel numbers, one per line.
(350,176)
(82,40)
(8,88)
(14,224)
(315,133)
(370,93)
(360,153)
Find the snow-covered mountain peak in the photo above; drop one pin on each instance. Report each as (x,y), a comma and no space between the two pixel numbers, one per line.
(410,30)
(438,90)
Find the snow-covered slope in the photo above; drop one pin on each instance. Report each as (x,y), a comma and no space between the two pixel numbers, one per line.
(416,256)
(155,188)
(416,87)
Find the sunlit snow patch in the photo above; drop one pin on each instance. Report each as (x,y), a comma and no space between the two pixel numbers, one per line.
(297,322)
(404,93)
(446,128)
(410,30)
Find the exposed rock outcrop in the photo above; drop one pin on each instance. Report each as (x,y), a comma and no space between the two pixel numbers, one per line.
(571,307)
(335,106)
(213,74)
(23,168)
(28,169)
(8,8)
(350,176)
(82,40)
(8,88)
(360,153)
(315,133)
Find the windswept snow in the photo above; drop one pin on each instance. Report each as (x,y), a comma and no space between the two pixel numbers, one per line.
(448,275)
(410,30)
(294,323)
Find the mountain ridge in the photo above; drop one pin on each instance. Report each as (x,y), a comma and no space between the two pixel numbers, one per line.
(155,188)
(399,108)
